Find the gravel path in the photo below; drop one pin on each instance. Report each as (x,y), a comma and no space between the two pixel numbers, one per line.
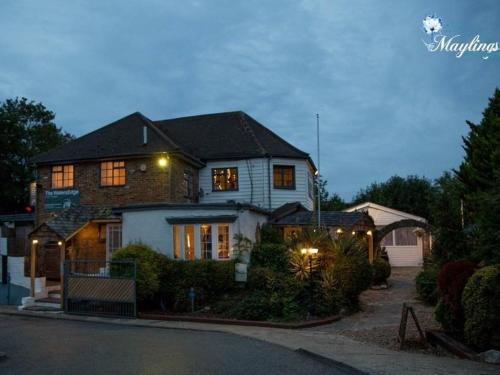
(378,321)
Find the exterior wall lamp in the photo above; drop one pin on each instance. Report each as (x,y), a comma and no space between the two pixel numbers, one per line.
(162,162)
(34,242)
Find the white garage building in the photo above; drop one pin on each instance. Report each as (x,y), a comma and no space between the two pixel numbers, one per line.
(406,247)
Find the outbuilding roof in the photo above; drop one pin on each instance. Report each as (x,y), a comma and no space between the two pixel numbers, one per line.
(328,218)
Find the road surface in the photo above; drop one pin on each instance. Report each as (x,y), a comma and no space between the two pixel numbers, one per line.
(43,346)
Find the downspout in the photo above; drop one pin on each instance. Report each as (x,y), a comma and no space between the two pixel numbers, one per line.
(269,180)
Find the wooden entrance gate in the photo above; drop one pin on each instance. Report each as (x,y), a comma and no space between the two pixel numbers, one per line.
(100,288)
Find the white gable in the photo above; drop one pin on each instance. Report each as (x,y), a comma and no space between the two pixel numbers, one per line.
(383,215)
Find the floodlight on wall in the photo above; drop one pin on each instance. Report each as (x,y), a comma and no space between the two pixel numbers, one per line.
(34,242)
(162,162)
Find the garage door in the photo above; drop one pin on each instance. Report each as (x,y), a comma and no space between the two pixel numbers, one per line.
(404,256)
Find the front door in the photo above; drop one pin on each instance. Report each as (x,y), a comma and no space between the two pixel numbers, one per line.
(52,261)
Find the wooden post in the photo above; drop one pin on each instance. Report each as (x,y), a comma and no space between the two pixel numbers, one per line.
(370,246)
(33,266)
(62,256)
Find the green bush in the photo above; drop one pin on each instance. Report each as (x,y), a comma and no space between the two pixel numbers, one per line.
(481,301)
(209,278)
(272,255)
(451,282)
(352,275)
(381,271)
(253,307)
(426,284)
(148,264)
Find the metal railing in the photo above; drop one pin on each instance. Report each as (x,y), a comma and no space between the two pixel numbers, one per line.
(103,288)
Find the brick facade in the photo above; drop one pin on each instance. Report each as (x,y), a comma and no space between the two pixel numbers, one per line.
(146,182)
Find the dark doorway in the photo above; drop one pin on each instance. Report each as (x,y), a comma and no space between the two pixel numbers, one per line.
(52,261)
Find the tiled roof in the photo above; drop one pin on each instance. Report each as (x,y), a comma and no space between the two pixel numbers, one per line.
(73,219)
(328,218)
(227,135)
(205,137)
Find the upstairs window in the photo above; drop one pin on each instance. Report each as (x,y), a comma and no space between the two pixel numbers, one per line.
(224,179)
(188,185)
(284,177)
(62,176)
(112,173)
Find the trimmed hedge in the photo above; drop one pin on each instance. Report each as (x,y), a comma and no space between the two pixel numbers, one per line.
(481,302)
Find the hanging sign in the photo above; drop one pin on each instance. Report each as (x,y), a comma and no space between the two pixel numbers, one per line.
(59,199)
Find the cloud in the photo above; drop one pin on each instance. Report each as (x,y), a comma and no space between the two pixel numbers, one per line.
(387,106)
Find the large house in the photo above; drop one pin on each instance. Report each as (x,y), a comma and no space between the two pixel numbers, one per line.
(184,186)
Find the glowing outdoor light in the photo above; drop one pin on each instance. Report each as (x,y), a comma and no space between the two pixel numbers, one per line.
(339,231)
(353,233)
(162,162)
(369,233)
(35,242)
(60,243)
(310,251)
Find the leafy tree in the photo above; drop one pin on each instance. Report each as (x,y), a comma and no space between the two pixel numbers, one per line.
(479,174)
(412,194)
(26,129)
(330,203)
(450,238)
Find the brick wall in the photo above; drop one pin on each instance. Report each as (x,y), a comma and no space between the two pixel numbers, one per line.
(153,185)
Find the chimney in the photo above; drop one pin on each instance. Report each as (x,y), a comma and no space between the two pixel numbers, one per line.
(144,135)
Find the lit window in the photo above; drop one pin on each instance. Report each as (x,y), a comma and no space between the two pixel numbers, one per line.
(206,241)
(112,173)
(224,179)
(62,176)
(189,242)
(223,241)
(284,176)
(188,184)
(177,241)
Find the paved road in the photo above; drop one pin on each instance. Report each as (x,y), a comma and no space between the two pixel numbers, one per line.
(42,346)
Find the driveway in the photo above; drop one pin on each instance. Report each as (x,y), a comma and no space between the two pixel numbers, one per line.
(44,346)
(379,320)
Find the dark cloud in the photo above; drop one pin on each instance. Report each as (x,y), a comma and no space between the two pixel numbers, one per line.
(387,106)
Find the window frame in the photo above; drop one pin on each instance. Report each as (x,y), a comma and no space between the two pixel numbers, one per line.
(63,173)
(283,167)
(188,183)
(206,240)
(225,169)
(226,240)
(112,228)
(113,168)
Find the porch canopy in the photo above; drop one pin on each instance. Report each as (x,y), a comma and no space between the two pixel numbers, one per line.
(72,233)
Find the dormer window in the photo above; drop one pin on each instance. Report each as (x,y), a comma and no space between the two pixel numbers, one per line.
(224,179)
(284,177)
(62,176)
(113,173)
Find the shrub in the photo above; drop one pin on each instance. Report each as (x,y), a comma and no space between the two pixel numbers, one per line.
(209,278)
(148,268)
(481,301)
(352,275)
(426,284)
(253,307)
(381,271)
(451,282)
(275,256)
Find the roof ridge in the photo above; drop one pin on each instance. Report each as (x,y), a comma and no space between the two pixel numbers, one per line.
(200,116)
(158,131)
(247,129)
